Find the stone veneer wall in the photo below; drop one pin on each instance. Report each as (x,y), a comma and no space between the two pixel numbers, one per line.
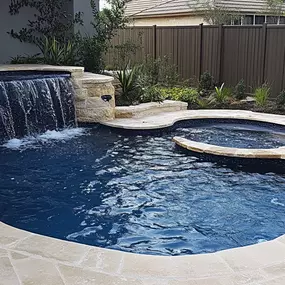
(90,107)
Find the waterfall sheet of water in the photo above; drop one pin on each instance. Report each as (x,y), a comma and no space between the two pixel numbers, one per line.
(31,106)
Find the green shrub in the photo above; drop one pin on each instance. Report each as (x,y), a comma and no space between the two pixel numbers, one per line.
(222,94)
(239,91)
(185,94)
(151,94)
(159,72)
(261,95)
(203,103)
(280,101)
(206,83)
(26,59)
(123,52)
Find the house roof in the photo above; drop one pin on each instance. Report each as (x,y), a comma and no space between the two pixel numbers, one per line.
(147,8)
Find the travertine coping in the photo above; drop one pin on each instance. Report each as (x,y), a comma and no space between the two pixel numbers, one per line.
(38,67)
(166,120)
(149,109)
(274,153)
(27,258)
(92,78)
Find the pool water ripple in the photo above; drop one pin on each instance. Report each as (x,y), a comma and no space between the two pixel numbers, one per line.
(137,194)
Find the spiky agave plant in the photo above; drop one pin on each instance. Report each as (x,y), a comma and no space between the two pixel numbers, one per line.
(57,53)
(128,82)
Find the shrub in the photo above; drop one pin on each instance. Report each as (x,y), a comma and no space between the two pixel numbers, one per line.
(106,24)
(123,52)
(151,94)
(203,103)
(222,94)
(261,95)
(185,94)
(206,83)
(239,91)
(26,59)
(280,101)
(159,71)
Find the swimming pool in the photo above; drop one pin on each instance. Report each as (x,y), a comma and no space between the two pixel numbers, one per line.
(136,193)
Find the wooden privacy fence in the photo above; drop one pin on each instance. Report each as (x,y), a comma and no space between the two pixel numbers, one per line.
(230,53)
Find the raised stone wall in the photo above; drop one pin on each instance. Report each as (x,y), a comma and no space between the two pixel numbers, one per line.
(90,107)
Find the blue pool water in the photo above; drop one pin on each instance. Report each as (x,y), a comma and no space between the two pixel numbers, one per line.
(234,133)
(136,193)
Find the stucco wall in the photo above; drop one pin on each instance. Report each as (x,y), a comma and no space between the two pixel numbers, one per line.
(168,21)
(10,47)
(84,7)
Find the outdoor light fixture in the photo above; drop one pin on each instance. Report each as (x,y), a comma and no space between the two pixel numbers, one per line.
(106,98)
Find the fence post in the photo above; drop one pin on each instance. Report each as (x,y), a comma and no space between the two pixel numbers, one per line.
(200,50)
(154,51)
(264,32)
(221,53)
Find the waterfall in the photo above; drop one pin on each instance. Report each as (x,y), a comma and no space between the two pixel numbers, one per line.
(35,104)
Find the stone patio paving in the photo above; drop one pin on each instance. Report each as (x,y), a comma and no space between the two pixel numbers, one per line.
(31,259)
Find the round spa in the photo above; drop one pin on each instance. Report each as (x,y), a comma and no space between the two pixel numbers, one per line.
(140,193)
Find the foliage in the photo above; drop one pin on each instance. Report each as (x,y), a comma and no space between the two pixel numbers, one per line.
(280,101)
(239,91)
(275,7)
(52,52)
(51,19)
(261,95)
(151,94)
(26,59)
(216,14)
(203,103)
(128,83)
(123,52)
(56,53)
(221,95)
(159,71)
(206,83)
(106,23)
(185,94)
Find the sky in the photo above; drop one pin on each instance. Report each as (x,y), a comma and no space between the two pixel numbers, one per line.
(102,3)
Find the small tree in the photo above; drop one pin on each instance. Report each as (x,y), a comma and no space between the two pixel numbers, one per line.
(215,14)
(275,8)
(51,20)
(106,24)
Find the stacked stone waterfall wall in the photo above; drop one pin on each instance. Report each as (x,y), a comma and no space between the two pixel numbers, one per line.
(89,105)
(89,87)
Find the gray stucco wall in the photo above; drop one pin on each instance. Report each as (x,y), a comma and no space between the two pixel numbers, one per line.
(85,7)
(10,47)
